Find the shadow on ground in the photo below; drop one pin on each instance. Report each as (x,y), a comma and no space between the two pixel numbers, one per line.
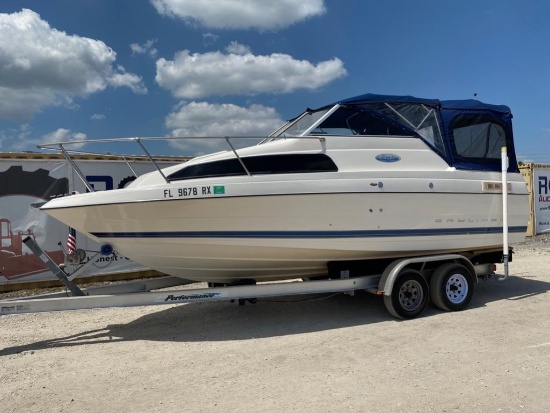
(223,321)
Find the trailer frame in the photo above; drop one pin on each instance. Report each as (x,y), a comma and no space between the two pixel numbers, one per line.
(404,286)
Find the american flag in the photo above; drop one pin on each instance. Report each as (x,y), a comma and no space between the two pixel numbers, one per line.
(71,241)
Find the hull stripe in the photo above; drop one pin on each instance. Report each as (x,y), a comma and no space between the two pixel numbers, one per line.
(311,234)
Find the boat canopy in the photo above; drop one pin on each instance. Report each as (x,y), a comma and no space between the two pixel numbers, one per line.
(468,134)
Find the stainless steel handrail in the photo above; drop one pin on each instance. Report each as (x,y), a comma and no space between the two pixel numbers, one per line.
(76,168)
(138,141)
(62,147)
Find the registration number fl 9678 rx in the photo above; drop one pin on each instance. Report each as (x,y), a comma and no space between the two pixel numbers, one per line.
(193,191)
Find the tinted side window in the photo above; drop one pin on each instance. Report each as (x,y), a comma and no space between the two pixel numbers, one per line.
(268,164)
(478,138)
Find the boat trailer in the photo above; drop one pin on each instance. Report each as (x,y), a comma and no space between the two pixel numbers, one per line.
(406,284)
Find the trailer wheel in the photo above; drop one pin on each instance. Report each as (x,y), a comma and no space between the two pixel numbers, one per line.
(409,296)
(451,287)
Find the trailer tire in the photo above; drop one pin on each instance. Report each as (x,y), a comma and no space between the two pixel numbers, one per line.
(409,296)
(451,287)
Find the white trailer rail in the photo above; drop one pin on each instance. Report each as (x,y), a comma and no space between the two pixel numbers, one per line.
(242,292)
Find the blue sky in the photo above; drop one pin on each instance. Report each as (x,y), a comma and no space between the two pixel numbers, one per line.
(93,69)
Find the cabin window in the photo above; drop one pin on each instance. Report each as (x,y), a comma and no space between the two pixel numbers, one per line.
(258,165)
(478,138)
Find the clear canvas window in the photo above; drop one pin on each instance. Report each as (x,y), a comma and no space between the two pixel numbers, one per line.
(478,139)
(418,117)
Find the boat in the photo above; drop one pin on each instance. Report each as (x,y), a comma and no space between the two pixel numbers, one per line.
(364,179)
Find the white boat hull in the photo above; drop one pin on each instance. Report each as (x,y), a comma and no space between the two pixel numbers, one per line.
(278,236)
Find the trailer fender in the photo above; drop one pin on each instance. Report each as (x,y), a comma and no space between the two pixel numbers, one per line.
(385,285)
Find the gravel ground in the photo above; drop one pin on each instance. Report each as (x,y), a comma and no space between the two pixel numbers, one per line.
(338,354)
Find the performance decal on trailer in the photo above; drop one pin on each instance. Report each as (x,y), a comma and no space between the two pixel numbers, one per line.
(194,191)
(182,298)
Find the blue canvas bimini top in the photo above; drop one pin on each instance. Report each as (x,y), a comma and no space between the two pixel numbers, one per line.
(468,134)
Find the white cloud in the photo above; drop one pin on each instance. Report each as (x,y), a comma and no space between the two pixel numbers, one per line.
(16,139)
(22,139)
(192,76)
(203,119)
(41,66)
(20,103)
(97,116)
(241,14)
(123,78)
(237,48)
(209,39)
(145,48)
(209,119)
(63,135)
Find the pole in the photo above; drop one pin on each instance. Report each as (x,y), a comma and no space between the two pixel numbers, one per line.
(505,248)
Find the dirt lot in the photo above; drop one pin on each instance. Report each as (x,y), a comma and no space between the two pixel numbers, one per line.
(334,355)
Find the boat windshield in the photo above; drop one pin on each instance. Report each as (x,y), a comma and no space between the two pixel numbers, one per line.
(302,123)
(368,119)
